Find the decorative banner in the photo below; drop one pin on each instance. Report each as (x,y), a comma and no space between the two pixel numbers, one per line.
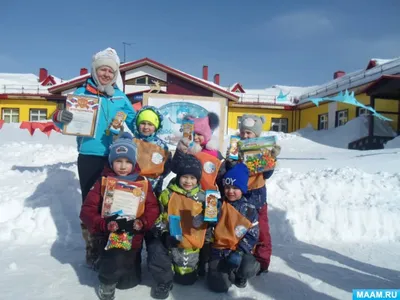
(1,123)
(348,98)
(46,128)
(281,97)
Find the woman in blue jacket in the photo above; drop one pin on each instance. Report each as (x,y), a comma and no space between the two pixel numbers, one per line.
(93,151)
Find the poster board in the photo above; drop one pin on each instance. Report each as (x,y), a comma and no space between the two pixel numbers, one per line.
(175,107)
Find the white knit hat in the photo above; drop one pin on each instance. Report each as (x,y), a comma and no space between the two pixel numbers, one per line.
(109,58)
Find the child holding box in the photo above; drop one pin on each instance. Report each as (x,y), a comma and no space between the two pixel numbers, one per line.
(183,199)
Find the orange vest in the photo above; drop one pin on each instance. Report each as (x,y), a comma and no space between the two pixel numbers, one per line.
(211,165)
(150,158)
(140,193)
(231,228)
(255,181)
(186,208)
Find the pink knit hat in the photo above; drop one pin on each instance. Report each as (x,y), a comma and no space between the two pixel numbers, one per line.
(206,125)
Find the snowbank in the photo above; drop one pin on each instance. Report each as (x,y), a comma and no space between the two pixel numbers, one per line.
(40,196)
(395,143)
(341,136)
(339,205)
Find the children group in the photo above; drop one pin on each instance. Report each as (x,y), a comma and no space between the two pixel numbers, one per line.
(230,250)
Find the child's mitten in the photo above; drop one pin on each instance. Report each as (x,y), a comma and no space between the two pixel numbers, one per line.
(198,221)
(234,259)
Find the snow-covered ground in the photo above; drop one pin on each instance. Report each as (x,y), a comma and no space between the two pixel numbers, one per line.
(333,216)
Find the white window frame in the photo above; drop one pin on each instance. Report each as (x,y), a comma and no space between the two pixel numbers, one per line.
(10,112)
(363,111)
(342,116)
(323,119)
(280,122)
(40,113)
(238,122)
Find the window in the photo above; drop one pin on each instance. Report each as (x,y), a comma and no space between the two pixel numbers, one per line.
(279,124)
(341,117)
(37,114)
(141,80)
(239,121)
(10,115)
(147,80)
(323,122)
(361,111)
(61,105)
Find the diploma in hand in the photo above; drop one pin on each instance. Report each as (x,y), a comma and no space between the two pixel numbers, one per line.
(85,109)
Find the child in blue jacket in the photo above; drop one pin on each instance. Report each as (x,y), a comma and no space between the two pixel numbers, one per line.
(235,236)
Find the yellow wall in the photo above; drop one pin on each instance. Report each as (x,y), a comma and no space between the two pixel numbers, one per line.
(24,105)
(235,112)
(310,115)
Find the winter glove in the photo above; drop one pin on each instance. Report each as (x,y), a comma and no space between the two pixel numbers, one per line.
(198,221)
(113,224)
(234,259)
(169,241)
(183,145)
(134,226)
(275,151)
(229,162)
(63,116)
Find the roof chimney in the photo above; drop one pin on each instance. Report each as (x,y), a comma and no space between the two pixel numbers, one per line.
(42,74)
(205,72)
(216,78)
(338,74)
(83,71)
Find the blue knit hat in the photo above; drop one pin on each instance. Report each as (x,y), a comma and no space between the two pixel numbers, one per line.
(238,176)
(125,147)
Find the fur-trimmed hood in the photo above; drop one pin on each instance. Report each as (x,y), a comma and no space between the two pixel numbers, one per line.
(211,147)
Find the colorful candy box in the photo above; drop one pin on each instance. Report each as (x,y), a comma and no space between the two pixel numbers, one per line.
(256,153)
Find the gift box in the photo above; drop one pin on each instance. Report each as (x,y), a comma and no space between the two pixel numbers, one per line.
(256,154)
(211,206)
(234,147)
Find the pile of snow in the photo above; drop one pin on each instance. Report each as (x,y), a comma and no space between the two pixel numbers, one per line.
(343,135)
(395,143)
(38,177)
(333,216)
(340,205)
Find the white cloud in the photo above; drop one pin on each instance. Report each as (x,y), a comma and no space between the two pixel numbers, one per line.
(301,24)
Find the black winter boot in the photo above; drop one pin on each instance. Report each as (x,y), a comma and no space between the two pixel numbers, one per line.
(106,291)
(161,291)
(240,282)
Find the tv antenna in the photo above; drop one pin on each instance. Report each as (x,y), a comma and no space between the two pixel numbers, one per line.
(126,44)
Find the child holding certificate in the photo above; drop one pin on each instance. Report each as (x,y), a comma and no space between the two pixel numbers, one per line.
(118,210)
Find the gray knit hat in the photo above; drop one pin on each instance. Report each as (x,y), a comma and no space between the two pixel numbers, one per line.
(252,123)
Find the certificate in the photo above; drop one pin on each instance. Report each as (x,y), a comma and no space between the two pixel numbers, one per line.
(122,197)
(85,109)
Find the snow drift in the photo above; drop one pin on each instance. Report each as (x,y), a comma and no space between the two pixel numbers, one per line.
(40,196)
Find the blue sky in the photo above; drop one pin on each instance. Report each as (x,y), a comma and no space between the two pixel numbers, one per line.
(259,43)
